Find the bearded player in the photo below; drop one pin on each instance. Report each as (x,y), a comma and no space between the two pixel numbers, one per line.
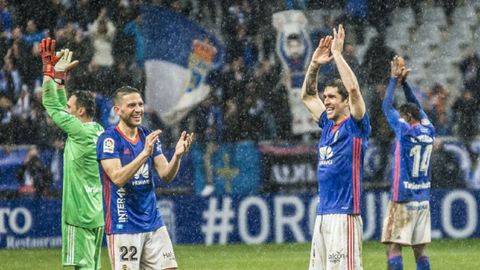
(128,155)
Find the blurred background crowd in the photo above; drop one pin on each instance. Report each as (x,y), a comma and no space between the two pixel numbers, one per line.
(249,99)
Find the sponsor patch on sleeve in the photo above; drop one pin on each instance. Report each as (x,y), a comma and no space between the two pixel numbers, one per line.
(108,145)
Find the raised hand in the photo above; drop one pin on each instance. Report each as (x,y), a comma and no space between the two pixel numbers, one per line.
(150,141)
(322,55)
(64,65)
(338,39)
(183,144)
(49,58)
(398,68)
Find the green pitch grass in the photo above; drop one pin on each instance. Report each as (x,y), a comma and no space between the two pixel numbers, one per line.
(444,255)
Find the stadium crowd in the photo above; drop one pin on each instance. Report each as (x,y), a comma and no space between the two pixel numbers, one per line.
(249,100)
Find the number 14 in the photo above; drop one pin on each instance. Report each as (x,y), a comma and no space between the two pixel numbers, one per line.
(420,165)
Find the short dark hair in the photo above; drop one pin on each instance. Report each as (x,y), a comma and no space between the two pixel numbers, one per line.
(410,109)
(337,83)
(85,99)
(122,91)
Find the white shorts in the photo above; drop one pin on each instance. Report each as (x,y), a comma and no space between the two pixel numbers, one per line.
(146,251)
(407,223)
(337,243)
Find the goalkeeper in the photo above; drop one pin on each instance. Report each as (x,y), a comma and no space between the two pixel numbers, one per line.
(82,212)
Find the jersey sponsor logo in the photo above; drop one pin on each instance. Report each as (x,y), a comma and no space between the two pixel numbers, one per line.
(408,185)
(89,189)
(417,207)
(336,256)
(326,154)
(422,138)
(143,171)
(121,209)
(108,145)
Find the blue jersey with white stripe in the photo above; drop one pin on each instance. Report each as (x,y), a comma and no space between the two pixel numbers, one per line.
(413,148)
(340,165)
(133,207)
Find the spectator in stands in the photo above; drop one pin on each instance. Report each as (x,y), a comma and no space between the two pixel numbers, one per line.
(209,130)
(470,68)
(376,63)
(231,128)
(356,12)
(265,78)
(233,80)
(239,13)
(24,57)
(381,133)
(465,116)
(10,81)
(102,32)
(295,4)
(6,127)
(437,110)
(6,19)
(243,46)
(349,56)
(33,176)
(32,35)
(251,115)
(133,29)
(379,15)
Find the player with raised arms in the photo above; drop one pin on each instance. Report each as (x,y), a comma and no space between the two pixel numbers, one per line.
(337,234)
(82,213)
(128,155)
(407,221)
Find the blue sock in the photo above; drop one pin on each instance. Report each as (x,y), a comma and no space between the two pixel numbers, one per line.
(423,263)
(395,263)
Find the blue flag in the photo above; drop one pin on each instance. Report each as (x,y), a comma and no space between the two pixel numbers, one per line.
(179,54)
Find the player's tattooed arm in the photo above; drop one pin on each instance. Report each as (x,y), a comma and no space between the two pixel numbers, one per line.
(309,93)
(357,104)
(311,80)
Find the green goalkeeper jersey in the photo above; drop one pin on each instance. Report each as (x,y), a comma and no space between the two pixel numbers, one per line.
(82,190)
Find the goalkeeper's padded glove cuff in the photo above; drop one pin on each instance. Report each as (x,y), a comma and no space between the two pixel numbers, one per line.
(48,70)
(59,81)
(60,75)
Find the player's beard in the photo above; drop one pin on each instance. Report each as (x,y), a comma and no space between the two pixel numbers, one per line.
(131,122)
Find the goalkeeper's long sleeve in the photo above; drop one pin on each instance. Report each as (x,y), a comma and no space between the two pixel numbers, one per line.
(62,96)
(56,110)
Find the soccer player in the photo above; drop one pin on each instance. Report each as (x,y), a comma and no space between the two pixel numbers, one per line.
(337,234)
(82,213)
(128,154)
(407,221)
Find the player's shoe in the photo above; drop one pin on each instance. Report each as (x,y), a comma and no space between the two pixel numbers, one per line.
(207,191)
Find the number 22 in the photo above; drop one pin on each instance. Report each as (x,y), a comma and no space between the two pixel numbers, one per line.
(128,257)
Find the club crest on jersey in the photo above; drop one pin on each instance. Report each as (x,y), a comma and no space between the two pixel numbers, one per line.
(326,154)
(108,145)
